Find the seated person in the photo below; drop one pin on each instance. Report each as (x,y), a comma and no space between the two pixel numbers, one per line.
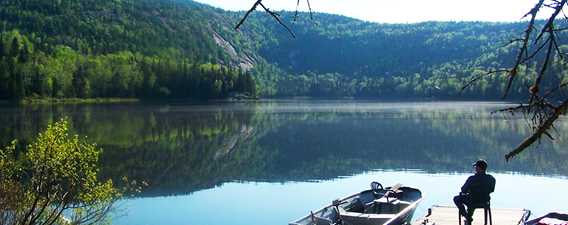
(475,191)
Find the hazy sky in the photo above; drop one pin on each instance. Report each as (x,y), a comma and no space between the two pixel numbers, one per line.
(401,11)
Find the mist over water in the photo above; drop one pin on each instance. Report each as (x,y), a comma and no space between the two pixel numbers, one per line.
(273,161)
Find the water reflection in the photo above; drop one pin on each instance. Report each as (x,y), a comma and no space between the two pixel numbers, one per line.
(179,149)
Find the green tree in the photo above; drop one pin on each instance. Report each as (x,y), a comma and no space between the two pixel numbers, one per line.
(25,52)
(81,83)
(14,47)
(2,47)
(56,173)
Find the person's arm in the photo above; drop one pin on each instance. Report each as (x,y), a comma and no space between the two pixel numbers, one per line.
(466,186)
(493,181)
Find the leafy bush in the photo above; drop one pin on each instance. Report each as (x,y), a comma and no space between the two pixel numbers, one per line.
(56,175)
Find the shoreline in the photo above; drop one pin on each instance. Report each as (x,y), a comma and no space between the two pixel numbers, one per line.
(78,101)
(70,101)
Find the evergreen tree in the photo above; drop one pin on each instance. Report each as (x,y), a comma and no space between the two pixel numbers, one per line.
(36,83)
(20,91)
(2,47)
(5,84)
(14,47)
(81,83)
(250,87)
(25,53)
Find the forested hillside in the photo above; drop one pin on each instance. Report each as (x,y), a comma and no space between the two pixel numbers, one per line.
(183,49)
(340,56)
(107,48)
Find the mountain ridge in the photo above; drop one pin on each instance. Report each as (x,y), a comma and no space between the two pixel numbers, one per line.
(166,41)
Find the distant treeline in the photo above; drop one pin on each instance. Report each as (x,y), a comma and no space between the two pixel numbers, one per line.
(450,80)
(29,72)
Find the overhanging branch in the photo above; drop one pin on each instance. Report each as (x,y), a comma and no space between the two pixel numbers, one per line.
(542,129)
(274,15)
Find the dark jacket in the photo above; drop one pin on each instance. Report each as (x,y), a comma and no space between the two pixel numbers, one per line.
(479,186)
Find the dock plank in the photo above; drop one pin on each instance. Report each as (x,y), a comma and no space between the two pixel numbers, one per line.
(448,215)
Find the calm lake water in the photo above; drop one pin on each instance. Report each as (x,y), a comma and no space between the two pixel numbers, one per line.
(272,162)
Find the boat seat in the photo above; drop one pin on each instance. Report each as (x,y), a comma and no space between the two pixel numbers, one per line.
(385,206)
(385,200)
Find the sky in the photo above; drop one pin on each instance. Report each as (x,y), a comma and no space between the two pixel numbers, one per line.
(401,11)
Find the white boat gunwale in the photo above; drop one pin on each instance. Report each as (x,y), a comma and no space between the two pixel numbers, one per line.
(412,206)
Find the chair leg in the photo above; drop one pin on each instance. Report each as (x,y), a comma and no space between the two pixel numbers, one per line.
(490,217)
(485,215)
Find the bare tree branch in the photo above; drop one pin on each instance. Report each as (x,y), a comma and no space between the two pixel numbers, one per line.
(550,22)
(542,129)
(552,91)
(523,51)
(477,78)
(539,111)
(296,13)
(531,56)
(535,88)
(275,15)
(514,109)
(247,14)
(310,8)
(512,42)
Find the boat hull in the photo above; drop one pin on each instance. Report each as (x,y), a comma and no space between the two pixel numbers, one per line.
(368,208)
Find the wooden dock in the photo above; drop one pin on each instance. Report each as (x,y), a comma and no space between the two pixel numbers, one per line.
(448,215)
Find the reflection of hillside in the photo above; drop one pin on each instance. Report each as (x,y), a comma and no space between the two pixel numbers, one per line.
(181,149)
(175,151)
(430,140)
(494,135)
(185,151)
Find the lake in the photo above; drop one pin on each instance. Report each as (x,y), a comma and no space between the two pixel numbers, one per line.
(271,162)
